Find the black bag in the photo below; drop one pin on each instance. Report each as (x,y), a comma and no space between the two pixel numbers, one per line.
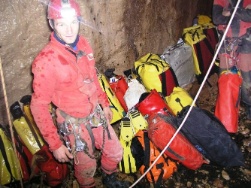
(210,137)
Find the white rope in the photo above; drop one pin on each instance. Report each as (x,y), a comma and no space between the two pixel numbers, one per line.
(195,98)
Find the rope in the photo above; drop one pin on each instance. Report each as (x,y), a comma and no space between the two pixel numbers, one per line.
(196,97)
(9,119)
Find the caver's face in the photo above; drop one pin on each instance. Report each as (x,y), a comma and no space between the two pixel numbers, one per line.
(67,29)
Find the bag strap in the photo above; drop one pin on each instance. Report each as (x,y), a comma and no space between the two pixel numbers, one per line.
(239,98)
(160,178)
(148,62)
(7,164)
(20,151)
(33,132)
(147,162)
(199,52)
(147,153)
(215,34)
(103,85)
(165,82)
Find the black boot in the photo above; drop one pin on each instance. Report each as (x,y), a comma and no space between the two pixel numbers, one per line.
(111,181)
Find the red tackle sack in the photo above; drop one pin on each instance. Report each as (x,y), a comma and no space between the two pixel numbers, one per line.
(151,103)
(228,100)
(55,172)
(119,87)
(160,133)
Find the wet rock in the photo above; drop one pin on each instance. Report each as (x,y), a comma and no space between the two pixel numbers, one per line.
(247,142)
(189,184)
(204,171)
(225,175)
(247,173)
(218,183)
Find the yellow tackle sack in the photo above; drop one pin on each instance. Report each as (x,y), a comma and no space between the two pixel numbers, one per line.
(127,164)
(178,100)
(137,120)
(9,164)
(27,132)
(129,126)
(149,67)
(26,100)
(204,20)
(117,109)
(193,35)
(203,40)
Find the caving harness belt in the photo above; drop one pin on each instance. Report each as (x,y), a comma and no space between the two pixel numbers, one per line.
(72,125)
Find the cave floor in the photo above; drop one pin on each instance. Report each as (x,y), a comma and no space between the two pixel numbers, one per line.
(208,176)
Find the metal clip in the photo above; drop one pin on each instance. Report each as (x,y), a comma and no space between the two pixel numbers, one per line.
(67,143)
(80,144)
(63,129)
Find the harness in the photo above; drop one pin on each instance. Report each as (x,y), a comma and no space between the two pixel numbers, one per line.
(231,50)
(72,125)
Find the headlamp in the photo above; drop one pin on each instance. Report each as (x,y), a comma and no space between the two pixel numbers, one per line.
(67,10)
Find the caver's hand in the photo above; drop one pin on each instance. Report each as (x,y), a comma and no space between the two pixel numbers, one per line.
(62,154)
(108,113)
(226,13)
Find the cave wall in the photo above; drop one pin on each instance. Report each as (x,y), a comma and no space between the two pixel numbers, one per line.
(120,32)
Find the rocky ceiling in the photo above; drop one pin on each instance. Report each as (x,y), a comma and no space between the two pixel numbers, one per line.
(120,31)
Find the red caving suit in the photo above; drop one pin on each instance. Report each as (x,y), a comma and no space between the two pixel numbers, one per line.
(68,79)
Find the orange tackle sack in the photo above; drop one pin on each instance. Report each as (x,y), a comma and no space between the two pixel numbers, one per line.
(145,153)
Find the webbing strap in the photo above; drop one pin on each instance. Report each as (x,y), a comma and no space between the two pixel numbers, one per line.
(103,85)
(159,180)
(147,150)
(199,53)
(164,81)
(7,164)
(148,62)
(88,127)
(147,154)
(86,121)
(33,132)
(147,161)
(200,59)
(239,98)
(215,34)
(20,151)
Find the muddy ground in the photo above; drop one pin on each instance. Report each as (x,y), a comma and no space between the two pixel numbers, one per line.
(208,176)
(211,176)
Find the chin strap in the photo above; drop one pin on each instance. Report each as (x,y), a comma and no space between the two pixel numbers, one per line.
(72,45)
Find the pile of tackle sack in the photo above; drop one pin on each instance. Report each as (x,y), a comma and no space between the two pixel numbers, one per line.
(149,103)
